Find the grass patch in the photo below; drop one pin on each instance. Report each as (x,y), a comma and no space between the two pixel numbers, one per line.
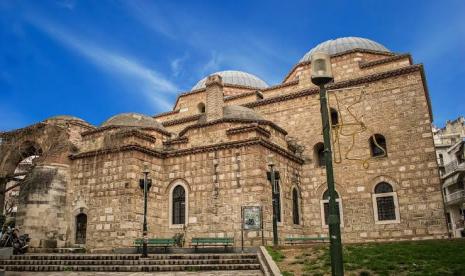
(276,254)
(433,257)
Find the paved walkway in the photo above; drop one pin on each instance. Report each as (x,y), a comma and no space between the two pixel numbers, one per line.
(203,273)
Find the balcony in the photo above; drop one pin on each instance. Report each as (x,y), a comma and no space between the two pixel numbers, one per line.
(454,166)
(455,197)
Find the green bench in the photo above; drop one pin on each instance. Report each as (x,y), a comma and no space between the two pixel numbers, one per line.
(165,243)
(304,240)
(196,242)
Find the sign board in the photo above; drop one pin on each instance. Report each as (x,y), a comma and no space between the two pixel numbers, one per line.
(252,218)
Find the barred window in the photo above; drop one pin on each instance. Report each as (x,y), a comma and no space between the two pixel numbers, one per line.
(295,206)
(386,208)
(179,205)
(385,200)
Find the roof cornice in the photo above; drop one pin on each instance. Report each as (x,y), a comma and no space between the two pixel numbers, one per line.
(368,64)
(233,120)
(182,120)
(200,149)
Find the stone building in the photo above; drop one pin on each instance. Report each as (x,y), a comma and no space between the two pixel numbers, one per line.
(450,144)
(209,157)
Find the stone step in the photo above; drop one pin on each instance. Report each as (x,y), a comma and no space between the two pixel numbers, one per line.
(128,256)
(132,268)
(131,262)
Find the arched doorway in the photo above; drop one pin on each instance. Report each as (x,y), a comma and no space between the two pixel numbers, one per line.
(81,227)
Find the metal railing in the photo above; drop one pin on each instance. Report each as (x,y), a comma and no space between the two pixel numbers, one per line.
(455,196)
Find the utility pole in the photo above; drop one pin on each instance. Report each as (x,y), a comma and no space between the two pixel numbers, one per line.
(322,75)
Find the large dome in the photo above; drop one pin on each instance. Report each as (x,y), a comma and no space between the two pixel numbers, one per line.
(235,77)
(133,120)
(343,44)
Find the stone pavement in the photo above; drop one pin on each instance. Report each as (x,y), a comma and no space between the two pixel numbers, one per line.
(203,273)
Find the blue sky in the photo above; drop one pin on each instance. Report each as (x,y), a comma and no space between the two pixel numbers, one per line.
(94,59)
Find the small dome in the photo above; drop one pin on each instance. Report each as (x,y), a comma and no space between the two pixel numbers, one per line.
(236,112)
(64,117)
(133,120)
(61,118)
(344,44)
(235,77)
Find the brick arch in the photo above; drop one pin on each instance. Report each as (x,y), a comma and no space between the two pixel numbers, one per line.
(383,178)
(48,141)
(177,181)
(323,187)
(299,190)
(34,139)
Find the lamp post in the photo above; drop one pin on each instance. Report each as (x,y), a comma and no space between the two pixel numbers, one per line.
(145,185)
(274,200)
(322,75)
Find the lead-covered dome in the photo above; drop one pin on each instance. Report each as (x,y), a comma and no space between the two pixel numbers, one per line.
(343,44)
(236,78)
(133,120)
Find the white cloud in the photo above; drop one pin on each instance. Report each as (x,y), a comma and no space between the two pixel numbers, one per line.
(177,65)
(213,64)
(151,83)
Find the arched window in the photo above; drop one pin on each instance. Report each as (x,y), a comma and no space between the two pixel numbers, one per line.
(319,154)
(201,107)
(325,208)
(295,206)
(378,145)
(178,205)
(334,117)
(385,204)
(81,228)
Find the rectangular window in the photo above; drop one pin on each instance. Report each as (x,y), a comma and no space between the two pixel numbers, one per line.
(386,208)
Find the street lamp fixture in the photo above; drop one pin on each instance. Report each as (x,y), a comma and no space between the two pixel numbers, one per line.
(274,199)
(322,75)
(145,184)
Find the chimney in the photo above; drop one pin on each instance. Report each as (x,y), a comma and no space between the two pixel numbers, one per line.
(215,100)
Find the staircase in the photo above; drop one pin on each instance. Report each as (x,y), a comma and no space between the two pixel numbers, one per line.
(132,263)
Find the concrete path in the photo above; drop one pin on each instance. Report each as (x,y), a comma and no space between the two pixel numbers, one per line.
(203,273)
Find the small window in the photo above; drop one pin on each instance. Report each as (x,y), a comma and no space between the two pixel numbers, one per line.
(201,107)
(325,208)
(295,206)
(385,201)
(378,145)
(319,155)
(334,117)
(81,228)
(441,160)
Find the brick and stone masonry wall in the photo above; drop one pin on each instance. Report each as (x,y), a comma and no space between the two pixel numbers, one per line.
(396,108)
